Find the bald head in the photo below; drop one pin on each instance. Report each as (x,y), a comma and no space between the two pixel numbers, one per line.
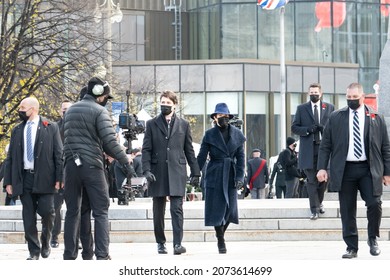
(30,105)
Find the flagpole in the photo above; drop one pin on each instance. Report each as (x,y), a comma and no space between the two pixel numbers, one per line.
(282,83)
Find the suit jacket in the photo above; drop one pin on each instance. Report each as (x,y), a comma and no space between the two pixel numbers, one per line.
(262,179)
(167,156)
(48,163)
(334,147)
(303,120)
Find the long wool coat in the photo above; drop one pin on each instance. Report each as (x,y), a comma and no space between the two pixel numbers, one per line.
(226,165)
(167,156)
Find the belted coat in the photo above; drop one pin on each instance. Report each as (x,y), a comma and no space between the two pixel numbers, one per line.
(226,166)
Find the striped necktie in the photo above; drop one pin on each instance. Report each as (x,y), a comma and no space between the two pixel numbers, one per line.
(357,141)
(30,151)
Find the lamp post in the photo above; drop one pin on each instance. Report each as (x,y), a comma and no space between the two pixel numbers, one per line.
(113,14)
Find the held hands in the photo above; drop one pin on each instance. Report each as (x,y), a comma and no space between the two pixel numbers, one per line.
(194,181)
(239,184)
(150,177)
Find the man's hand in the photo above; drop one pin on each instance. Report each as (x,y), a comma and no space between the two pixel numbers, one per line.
(129,171)
(150,177)
(313,129)
(239,185)
(386,180)
(8,189)
(194,181)
(322,175)
(320,128)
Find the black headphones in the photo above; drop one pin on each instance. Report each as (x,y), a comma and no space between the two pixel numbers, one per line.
(99,89)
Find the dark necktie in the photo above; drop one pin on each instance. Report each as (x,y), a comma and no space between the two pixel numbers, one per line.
(316,121)
(169,127)
(357,141)
(30,152)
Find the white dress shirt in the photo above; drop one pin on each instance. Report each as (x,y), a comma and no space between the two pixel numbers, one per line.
(34,127)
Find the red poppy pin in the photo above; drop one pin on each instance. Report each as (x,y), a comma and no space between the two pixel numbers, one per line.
(373,116)
(323,106)
(45,123)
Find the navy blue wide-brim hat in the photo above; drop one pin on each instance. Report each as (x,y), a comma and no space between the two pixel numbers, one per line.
(221,108)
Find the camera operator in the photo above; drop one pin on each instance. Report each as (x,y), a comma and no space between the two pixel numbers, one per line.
(89,133)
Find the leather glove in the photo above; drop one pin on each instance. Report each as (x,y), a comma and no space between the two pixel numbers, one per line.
(313,129)
(320,128)
(150,177)
(239,185)
(194,181)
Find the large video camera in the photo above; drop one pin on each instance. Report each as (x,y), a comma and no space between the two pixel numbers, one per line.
(131,122)
(235,121)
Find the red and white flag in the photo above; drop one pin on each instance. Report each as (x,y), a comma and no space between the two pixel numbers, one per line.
(271,4)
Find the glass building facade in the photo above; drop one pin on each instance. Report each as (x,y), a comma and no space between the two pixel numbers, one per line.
(232,55)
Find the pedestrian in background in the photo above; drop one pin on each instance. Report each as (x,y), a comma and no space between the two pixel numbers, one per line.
(59,196)
(224,144)
(257,175)
(309,122)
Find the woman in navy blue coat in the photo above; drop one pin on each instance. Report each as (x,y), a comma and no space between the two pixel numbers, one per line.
(224,144)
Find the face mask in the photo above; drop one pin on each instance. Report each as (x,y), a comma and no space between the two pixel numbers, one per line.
(166,110)
(104,102)
(353,103)
(23,115)
(223,122)
(314,98)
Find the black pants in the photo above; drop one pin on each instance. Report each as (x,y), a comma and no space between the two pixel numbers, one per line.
(358,177)
(92,181)
(279,190)
(176,206)
(33,203)
(315,189)
(58,201)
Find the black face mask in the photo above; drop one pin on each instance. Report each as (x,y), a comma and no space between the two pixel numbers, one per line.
(223,122)
(104,102)
(23,115)
(166,110)
(314,98)
(353,103)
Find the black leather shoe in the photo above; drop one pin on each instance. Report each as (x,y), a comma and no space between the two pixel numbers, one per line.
(45,251)
(54,244)
(161,249)
(33,258)
(374,248)
(178,249)
(350,254)
(314,216)
(322,210)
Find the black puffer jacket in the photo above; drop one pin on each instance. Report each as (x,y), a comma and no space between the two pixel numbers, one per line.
(88,132)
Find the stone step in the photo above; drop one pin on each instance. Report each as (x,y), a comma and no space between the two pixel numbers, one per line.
(270,219)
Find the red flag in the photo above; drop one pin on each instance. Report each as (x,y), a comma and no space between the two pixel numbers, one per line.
(323,13)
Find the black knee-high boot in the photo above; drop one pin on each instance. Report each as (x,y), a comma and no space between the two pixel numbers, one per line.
(219,233)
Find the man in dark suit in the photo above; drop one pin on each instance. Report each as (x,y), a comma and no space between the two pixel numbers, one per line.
(309,122)
(59,197)
(356,142)
(257,175)
(33,170)
(166,149)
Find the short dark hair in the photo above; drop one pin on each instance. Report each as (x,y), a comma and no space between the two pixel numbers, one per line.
(169,94)
(315,85)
